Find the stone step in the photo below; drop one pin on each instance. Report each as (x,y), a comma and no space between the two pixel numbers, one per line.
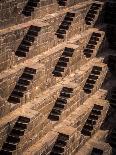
(12,75)
(26,38)
(30,38)
(52,114)
(28,44)
(95,145)
(64,89)
(93,13)
(63,95)
(30,6)
(23,82)
(25,11)
(64,127)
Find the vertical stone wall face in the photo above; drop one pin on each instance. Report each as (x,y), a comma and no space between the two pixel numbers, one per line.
(54,77)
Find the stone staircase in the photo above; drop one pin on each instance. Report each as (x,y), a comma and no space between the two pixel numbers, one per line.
(56,68)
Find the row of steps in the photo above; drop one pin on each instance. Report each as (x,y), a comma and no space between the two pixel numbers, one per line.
(88,51)
(62,140)
(91,15)
(65,25)
(30,7)
(92,120)
(15,135)
(63,62)
(95,145)
(22,85)
(60,144)
(60,103)
(27,41)
(74,120)
(91,80)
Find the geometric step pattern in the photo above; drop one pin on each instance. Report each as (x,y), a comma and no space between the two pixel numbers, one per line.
(88,51)
(112,64)
(63,62)
(92,120)
(60,103)
(111,139)
(29,8)
(15,135)
(91,80)
(27,41)
(110,13)
(90,17)
(60,145)
(62,2)
(64,26)
(112,97)
(97,151)
(21,85)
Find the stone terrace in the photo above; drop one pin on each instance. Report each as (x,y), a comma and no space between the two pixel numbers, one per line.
(57,83)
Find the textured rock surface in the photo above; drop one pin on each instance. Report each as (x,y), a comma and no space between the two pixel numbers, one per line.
(57,65)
